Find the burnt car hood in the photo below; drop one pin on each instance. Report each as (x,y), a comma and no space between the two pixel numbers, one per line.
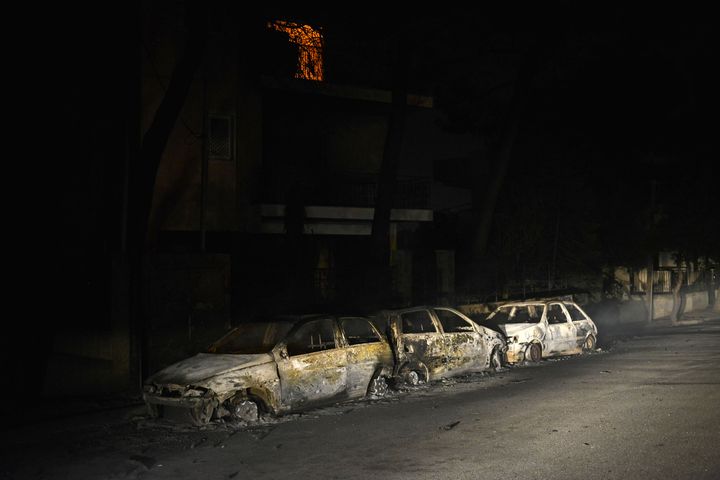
(205,365)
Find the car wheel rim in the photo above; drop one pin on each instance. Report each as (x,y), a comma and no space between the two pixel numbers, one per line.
(378,387)
(412,378)
(247,410)
(534,352)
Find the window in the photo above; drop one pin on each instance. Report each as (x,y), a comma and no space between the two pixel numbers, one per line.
(501,315)
(312,337)
(417,322)
(521,315)
(575,313)
(220,137)
(309,42)
(359,330)
(527,314)
(555,314)
(258,337)
(452,322)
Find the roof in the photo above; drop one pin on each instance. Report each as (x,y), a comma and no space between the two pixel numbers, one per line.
(536,301)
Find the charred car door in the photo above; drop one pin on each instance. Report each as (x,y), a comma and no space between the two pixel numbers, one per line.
(583,324)
(312,367)
(561,336)
(419,343)
(368,354)
(465,347)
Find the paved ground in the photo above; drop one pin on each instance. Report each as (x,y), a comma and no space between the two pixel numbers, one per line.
(646,406)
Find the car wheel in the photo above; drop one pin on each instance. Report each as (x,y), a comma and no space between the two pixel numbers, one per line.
(496,362)
(378,387)
(246,410)
(242,408)
(589,344)
(412,377)
(534,353)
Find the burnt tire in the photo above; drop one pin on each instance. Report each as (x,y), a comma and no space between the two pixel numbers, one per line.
(534,353)
(590,344)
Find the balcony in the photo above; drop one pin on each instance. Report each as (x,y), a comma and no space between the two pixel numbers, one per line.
(346,208)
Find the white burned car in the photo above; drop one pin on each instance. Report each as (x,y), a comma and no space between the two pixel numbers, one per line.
(539,329)
(274,367)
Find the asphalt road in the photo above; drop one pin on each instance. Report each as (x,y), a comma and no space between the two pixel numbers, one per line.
(648,407)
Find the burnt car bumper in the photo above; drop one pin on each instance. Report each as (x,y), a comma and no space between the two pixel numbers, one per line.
(516,352)
(191,405)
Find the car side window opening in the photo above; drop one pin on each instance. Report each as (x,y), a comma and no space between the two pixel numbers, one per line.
(555,314)
(312,337)
(501,315)
(417,322)
(575,314)
(358,331)
(518,314)
(452,322)
(535,312)
(521,315)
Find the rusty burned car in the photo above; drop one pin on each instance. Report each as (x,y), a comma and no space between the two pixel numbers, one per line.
(436,342)
(274,367)
(538,329)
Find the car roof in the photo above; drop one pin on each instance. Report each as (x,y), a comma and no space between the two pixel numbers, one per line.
(543,301)
(294,318)
(408,309)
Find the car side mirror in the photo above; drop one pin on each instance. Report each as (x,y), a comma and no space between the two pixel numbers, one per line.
(283,353)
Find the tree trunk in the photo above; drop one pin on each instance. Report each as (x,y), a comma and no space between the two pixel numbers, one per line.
(677,299)
(650,283)
(709,284)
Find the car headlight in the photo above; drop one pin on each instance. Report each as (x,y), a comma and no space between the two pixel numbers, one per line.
(195,392)
(512,340)
(149,388)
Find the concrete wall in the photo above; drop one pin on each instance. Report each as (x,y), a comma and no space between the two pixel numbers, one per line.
(635,309)
(663,303)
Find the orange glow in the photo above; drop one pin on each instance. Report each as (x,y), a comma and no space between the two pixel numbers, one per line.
(310,44)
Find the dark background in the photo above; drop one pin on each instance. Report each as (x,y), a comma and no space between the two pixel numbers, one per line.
(616,131)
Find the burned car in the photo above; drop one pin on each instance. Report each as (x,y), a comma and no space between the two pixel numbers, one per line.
(274,367)
(540,329)
(436,342)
